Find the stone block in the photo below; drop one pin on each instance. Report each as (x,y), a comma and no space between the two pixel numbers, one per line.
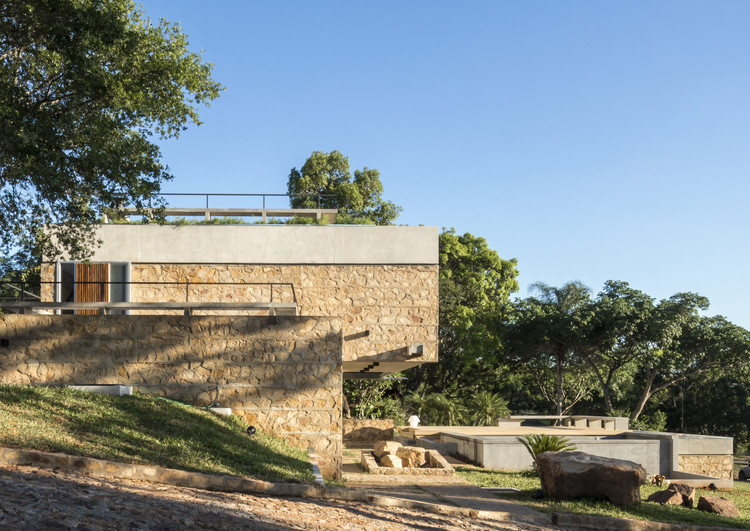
(575,474)
(412,456)
(386,448)
(391,461)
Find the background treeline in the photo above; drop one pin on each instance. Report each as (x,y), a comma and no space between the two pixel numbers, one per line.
(568,350)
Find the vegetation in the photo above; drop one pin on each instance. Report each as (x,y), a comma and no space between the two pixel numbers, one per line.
(84,86)
(146,430)
(324,181)
(528,484)
(536,444)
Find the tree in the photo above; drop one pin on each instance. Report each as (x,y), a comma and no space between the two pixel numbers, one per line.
(547,333)
(620,318)
(324,181)
(84,85)
(474,286)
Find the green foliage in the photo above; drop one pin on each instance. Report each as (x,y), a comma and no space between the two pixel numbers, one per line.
(545,336)
(436,409)
(84,85)
(654,422)
(474,287)
(145,430)
(485,408)
(536,444)
(374,399)
(324,181)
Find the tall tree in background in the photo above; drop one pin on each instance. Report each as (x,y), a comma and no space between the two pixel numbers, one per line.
(474,285)
(546,334)
(84,84)
(324,181)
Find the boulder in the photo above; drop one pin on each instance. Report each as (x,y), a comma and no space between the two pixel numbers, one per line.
(412,456)
(666,497)
(720,506)
(386,447)
(688,493)
(575,474)
(390,461)
(676,494)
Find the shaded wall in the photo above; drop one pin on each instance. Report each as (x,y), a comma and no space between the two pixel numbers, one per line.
(281,374)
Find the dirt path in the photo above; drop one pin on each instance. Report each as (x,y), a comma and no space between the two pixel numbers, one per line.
(38,499)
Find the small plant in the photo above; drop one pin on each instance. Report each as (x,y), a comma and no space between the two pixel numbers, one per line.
(537,444)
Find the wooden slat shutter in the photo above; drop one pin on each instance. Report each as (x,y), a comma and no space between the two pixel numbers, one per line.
(92,284)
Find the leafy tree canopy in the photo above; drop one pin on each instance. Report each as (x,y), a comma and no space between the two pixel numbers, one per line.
(84,85)
(474,285)
(324,181)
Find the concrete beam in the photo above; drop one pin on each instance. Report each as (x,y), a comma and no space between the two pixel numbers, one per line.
(267,244)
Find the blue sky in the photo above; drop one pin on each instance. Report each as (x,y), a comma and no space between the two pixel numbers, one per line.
(589,140)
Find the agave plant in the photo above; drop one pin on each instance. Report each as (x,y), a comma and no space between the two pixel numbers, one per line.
(537,444)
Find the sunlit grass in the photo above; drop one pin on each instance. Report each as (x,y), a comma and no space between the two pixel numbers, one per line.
(146,430)
(528,483)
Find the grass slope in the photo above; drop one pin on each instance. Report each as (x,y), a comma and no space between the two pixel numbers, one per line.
(143,429)
(528,483)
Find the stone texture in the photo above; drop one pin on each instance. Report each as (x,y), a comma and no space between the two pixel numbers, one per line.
(395,305)
(391,461)
(412,456)
(720,506)
(282,375)
(666,497)
(686,491)
(715,466)
(438,466)
(386,447)
(574,474)
(43,499)
(367,431)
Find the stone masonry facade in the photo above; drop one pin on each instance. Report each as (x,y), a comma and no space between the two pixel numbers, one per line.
(716,466)
(383,308)
(281,374)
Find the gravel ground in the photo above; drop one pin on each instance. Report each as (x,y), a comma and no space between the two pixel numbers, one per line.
(39,499)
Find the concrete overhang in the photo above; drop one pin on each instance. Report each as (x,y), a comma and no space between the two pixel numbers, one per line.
(267,244)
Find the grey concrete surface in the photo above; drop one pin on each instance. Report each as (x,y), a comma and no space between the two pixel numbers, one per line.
(267,244)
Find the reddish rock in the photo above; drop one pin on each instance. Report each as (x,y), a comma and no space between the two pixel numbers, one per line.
(575,474)
(666,497)
(688,493)
(386,447)
(720,506)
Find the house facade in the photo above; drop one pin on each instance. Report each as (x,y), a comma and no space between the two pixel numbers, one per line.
(265,319)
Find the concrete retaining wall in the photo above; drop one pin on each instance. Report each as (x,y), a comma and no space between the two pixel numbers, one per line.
(656,452)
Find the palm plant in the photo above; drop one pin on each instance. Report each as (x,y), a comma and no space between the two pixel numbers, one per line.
(487,407)
(537,444)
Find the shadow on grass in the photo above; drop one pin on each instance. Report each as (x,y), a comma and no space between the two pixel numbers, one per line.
(144,429)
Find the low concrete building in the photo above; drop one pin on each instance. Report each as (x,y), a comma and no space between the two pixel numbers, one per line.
(265,319)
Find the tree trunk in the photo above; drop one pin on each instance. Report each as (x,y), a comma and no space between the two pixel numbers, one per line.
(558,384)
(644,396)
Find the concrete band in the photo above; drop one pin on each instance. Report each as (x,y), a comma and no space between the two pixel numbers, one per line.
(267,244)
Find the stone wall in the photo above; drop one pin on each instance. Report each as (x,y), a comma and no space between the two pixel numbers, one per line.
(716,466)
(281,374)
(367,431)
(384,308)
(394,306)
